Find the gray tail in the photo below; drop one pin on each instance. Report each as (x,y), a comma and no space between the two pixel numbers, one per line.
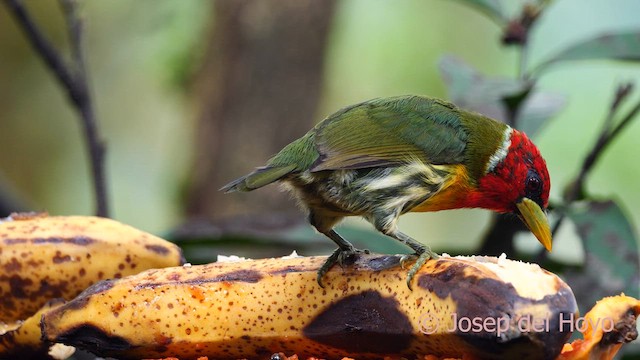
(259,178)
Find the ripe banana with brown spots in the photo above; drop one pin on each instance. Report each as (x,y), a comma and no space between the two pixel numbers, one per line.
(46,257)
(22,340)
(478,307)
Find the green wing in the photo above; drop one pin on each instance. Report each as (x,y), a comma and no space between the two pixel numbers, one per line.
(391,131)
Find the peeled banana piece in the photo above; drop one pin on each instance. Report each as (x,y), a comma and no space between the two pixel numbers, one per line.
(45,257)
(610,324)
(474,307)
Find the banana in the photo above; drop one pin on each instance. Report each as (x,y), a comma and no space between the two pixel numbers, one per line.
(605,328)
(45,257)
(23,340)
(476,307)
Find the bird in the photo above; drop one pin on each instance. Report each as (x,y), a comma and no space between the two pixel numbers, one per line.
(385,157)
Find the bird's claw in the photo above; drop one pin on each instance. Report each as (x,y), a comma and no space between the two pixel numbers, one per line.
(421,256)
(340,256)
(404,259)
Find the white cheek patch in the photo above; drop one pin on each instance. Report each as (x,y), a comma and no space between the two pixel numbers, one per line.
(501,152)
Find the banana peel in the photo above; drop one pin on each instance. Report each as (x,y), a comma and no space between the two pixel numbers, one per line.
(476,307)
(45,257)
(56,257)
(23,340)
(463,307)
(606,327)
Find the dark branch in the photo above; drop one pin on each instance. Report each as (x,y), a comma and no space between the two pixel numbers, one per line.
(624,122)
(40,44)
(74,81)
(75,27)
(575,191)
(85,107)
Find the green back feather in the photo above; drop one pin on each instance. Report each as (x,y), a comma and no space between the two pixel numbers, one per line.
(390,131)
(302,153)
(386,132)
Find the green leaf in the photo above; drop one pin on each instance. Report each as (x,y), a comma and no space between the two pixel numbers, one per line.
(537,109)
(611,253)
(492,8)
(473,91)
(585,29)
(622,46)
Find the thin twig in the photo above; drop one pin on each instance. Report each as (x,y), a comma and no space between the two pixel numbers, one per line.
(74,81)
(607,135)
(625,121)
(85,106)
(40,44)
(74,27)
(522,65)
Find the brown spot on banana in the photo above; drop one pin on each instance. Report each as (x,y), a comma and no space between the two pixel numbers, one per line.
(247,275)
(158,249)
(59,258)
(13,265)
(45,257)
(472,288)
(23,341)
(365,311)
(364,322)
(76,240)
(96,288)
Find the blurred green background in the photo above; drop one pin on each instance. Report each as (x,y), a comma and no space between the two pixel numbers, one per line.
(144,56)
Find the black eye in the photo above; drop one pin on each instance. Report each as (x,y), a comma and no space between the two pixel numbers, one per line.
(533,185)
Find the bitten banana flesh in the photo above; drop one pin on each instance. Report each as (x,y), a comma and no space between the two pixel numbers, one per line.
(605,328)
(478,307)
(46,257)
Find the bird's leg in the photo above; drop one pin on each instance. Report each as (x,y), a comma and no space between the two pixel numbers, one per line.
(388,226)
(343,255)
(423,253)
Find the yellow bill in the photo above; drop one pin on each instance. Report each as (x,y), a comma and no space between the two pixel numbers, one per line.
(536,220)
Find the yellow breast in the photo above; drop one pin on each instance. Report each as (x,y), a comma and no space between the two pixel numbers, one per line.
(454,193)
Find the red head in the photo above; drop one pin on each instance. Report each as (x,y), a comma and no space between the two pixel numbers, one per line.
(520,173)
(517,181)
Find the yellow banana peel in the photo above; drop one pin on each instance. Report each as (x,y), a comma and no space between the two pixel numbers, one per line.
(460,308)
(56,257)
(45,257)
(478,307)
(23,339)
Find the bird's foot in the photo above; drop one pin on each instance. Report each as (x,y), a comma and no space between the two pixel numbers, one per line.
(421,255)
(340,256)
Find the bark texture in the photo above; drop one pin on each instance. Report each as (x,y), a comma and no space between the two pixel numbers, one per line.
(258,90)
